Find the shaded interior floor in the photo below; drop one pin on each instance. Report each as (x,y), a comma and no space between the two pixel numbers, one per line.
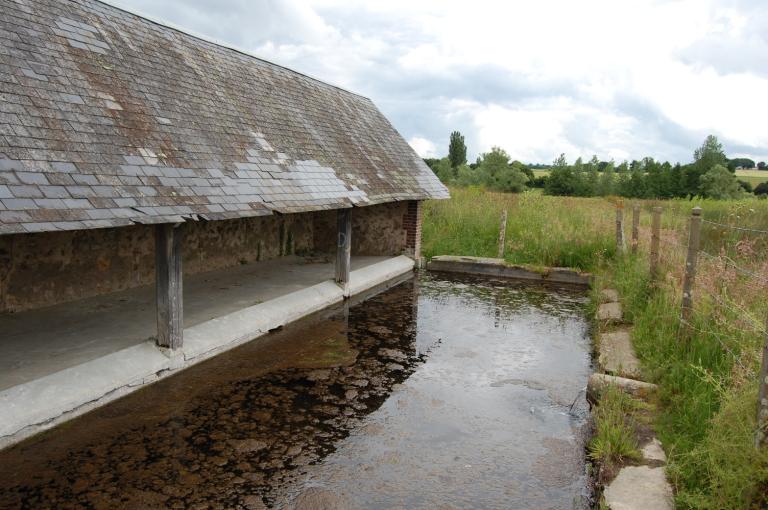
(41,342)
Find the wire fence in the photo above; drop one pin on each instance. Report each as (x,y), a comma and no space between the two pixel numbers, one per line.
(719,271)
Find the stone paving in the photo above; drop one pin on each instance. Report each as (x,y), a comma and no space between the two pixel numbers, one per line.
(617,356)
(643,487)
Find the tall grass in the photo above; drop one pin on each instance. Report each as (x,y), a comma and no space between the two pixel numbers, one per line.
(615,440)
(541,230)
(708,385)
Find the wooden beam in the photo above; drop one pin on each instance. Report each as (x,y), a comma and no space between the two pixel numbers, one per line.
(343,246)
(168,286)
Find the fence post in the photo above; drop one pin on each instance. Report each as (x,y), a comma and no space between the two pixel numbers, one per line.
(694,236)
(620,243)
(635,227)
(655,237)
(502,233)
(761,436)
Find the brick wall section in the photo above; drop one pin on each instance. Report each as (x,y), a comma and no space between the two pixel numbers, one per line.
(376,230)
(44,269)
(412,224)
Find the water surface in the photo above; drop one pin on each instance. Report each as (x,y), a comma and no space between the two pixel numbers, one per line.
(443,392)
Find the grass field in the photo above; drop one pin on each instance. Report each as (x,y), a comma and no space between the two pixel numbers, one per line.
(708,384)
(754,177)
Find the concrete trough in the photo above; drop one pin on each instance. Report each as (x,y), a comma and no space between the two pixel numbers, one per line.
(499,268)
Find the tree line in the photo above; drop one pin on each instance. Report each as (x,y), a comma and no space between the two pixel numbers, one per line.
(711,174)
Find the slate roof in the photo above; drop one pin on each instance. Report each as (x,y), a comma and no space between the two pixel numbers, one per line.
(109,119)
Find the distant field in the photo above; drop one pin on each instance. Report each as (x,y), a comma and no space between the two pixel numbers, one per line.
(754,177)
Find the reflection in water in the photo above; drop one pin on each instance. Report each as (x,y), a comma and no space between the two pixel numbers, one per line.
(452,392)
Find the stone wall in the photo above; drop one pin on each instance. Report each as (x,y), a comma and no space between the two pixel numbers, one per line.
(376,230)
(47,268)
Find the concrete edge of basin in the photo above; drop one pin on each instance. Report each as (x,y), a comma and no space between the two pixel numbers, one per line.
(44,403)
(500,268)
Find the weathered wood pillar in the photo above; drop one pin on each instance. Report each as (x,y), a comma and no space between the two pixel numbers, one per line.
(168,286)
(343,247)
(761,435)
(502,233)
(620,243)
(689,279)
(635,227)
(655,238)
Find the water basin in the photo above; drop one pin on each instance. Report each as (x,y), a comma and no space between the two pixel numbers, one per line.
(442,392)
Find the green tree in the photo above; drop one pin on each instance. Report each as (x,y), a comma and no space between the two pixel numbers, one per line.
(761,189)
(561,180)
(468,176)
(719,183)
(677,181)
(710,154)
(747,163)
(523,168)
(704,158)
(443,170)
(656,180)
(606,185)
(457,150)
(592,177)
(498,174)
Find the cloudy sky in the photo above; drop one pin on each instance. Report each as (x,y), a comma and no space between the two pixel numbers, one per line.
(619,79)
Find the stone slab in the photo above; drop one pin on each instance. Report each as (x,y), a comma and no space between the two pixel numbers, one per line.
(653,451)
(609,296)
(617,356)
(598,382)
(499,268)
(609,312)
(639,488)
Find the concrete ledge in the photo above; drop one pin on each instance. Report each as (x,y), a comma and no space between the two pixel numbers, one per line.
(38,405)
(363,279)
(36,402)
(497,267)
(228,331)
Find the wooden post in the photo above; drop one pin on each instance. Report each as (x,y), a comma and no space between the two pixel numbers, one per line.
(761,436)
(689,279)
(343,247)
(168,286)
(635,227)
(502,233)
(620,228)
(655,237)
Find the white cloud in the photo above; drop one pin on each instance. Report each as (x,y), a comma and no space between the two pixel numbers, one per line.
(423,147)
(618,79)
